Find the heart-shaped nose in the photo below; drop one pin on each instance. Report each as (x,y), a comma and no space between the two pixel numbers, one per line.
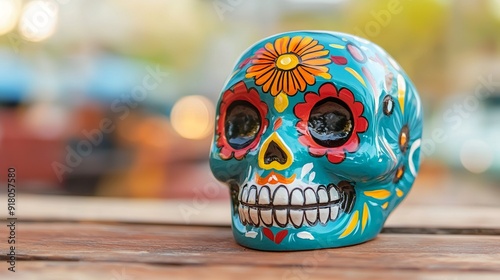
(274,154)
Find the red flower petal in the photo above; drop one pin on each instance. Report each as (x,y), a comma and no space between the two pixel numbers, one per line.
(245,62)
(239,92)
(239,154)
(303,110)
(352,145)
(302,128)
(340,60)
(280,236)
(240,88)
(336,158)
(357,109)
(327,89)
(318,150)
(361,125)
(268,233)
(347,96)
(225,153)
(311,98)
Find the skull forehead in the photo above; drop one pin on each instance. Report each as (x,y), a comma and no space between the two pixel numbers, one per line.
(353,63)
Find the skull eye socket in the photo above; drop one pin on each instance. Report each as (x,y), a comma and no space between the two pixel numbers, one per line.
(241,125)
(331,123)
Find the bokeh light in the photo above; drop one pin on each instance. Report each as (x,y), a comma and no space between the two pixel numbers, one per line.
(192,117)
(46,120)
(9,12)
(476,156)
(39,20)
(495,7)
(153,132)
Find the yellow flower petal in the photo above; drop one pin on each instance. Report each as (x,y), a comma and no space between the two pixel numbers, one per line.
(365,217)
(281,102)
(356,75)
(325,76)
(401,92)
(378,194)
(352,224)
(337,46)
(399,192)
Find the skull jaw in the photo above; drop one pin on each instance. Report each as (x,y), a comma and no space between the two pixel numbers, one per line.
(299,239)
(344,229)
(295,204)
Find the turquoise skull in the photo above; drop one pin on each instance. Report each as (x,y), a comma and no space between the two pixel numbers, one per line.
(317,136)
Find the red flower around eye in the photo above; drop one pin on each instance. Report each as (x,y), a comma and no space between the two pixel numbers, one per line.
(352,120)
(257,109)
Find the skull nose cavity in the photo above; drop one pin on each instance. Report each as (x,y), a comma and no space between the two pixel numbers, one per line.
(274,153)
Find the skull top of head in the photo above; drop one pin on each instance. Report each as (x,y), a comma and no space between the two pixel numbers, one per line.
(318,138)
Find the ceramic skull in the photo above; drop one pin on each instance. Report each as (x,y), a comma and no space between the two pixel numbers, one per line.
(317,136)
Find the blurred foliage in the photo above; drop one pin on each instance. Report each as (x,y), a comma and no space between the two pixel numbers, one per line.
(426,37)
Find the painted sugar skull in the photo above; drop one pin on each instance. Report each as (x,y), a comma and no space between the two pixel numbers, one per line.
(318,138)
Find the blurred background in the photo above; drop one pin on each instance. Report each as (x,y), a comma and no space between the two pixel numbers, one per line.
(131,85)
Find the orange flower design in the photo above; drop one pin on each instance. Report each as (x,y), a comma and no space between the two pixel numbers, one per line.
(289,65)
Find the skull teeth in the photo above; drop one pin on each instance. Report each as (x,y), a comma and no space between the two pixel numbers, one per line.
(285,217)
(264,196)
(261,206)
(282,196)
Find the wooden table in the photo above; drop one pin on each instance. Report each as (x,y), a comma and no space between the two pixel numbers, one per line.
(125,239)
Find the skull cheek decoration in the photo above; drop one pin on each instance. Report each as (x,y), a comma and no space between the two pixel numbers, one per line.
(318,138)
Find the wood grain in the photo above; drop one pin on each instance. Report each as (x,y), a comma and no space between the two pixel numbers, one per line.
(214,246)
(201,211)
(44,270)
(128,239)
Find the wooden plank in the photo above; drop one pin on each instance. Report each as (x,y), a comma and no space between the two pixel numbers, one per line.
(44,270)
(198,211)
(191,245)
(201,211)
(445,216)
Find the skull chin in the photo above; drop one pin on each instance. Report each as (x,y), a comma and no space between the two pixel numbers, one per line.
(294,204)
